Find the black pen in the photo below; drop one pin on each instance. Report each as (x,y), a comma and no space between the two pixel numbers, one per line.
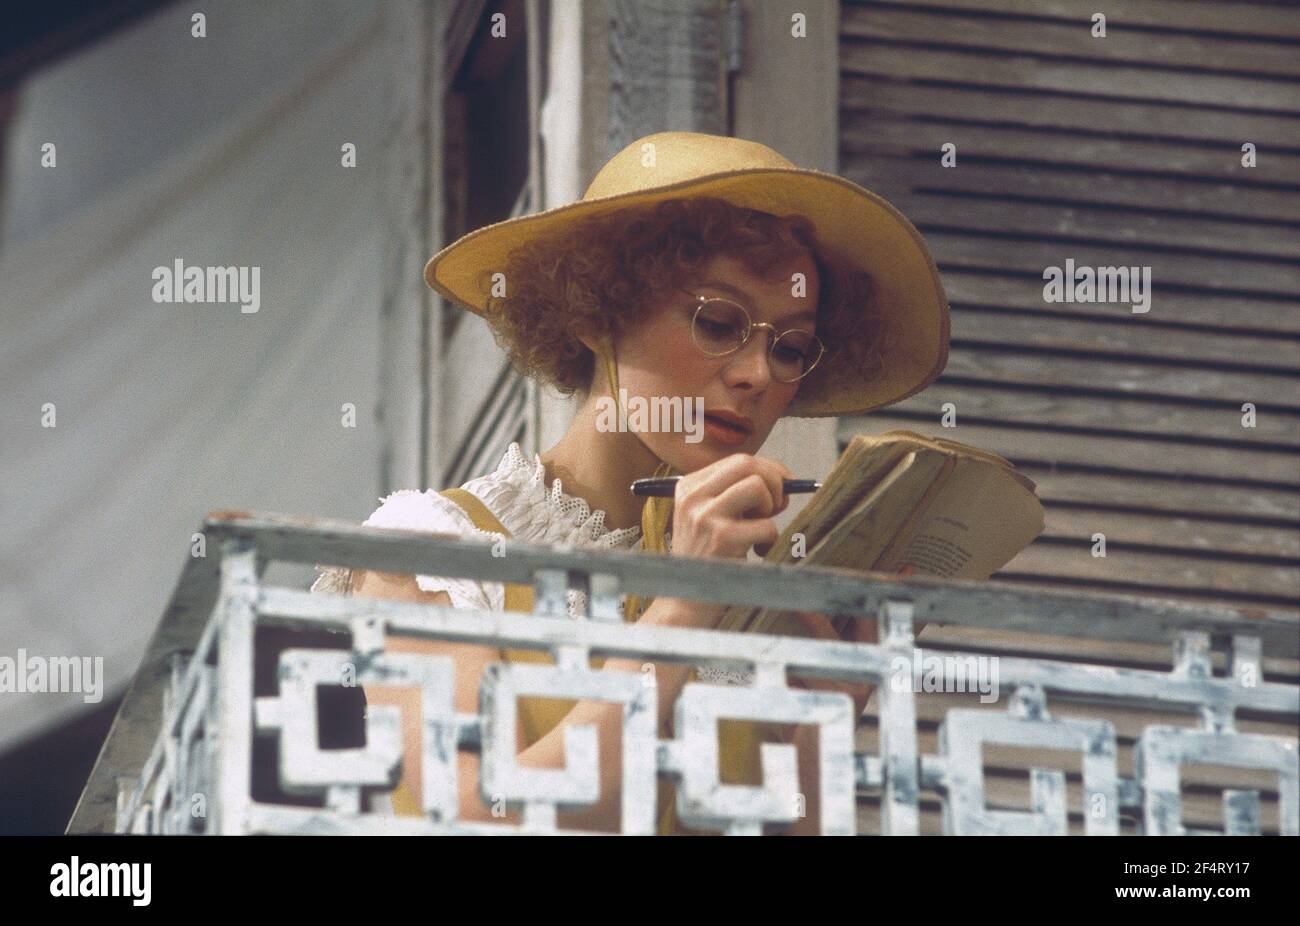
(667,486)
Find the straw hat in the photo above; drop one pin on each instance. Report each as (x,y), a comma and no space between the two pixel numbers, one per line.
(855,227)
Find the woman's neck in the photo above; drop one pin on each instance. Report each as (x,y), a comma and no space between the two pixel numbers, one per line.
(599,466)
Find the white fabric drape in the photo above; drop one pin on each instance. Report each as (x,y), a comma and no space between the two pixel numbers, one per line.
(167,411)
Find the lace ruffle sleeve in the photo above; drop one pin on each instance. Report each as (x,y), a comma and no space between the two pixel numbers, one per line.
(409,509)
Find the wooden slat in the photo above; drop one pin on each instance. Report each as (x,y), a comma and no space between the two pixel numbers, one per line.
(1271,21)
(1172,495)
(1073,649)
(1249,315)
(1129,337)
(1194,596)
(1100,225)
(1006,786)
(870,133)
(1119,377)
(863,93)
(1031,256)
(1169,533)
(892,176)
(1110,80)
(1005,761)
(1073,39)
(1129,721)
(979,402)
(1146,572)
(1121,454)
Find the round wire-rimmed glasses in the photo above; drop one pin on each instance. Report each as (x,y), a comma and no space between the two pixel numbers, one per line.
(720,326)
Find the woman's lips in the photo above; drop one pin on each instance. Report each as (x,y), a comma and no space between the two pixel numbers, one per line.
(724,433)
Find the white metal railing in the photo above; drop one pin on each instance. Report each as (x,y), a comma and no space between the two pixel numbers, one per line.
(178,759)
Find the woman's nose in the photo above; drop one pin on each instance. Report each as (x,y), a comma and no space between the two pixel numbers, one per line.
(752,362)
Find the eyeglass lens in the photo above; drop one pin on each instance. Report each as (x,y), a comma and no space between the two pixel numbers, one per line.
(720,327)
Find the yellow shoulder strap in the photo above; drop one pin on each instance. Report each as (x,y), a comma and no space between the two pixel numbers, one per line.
(738,740)
(518,597)
(536,717)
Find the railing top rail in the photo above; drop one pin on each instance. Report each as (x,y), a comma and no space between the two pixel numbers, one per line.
(991,604)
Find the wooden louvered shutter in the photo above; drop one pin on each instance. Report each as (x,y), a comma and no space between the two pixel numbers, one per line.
(1116,151)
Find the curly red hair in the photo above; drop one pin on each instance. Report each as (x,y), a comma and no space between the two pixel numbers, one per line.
(600,276)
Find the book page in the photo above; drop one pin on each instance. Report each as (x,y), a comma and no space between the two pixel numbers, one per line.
(867,532)
(858,469)
(977,523)
(965,450)
(864,534)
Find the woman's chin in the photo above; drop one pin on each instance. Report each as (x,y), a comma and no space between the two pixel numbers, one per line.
(686,455)
(693,456)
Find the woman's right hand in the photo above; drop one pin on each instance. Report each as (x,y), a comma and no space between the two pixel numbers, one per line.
(727,507)
(723,510)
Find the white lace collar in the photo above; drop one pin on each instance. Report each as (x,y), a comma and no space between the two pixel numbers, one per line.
(517,494)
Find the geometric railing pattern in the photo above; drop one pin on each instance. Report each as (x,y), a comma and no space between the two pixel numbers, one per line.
(194,777)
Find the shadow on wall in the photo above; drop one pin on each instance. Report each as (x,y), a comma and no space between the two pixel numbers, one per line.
(42,778)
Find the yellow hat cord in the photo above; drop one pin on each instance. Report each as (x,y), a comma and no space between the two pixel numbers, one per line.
(656,512)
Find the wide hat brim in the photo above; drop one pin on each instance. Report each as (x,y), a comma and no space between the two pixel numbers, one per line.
(856,227)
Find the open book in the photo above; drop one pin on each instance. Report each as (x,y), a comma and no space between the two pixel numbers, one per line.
(899,502)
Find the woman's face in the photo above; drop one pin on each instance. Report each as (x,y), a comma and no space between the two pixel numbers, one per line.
(659,358)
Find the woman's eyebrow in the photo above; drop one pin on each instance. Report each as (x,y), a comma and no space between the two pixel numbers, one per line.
(743,296)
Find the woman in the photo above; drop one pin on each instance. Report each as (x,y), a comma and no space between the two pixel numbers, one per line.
(705,268)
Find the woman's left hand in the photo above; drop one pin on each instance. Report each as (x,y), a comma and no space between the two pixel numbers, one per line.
(818,626)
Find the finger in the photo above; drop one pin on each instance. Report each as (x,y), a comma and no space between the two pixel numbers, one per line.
(785,473)
(750,532)
(717,477)
(751,494)
(766,546)
(773,474)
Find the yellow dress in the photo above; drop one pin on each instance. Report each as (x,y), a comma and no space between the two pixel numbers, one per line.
(738,740)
